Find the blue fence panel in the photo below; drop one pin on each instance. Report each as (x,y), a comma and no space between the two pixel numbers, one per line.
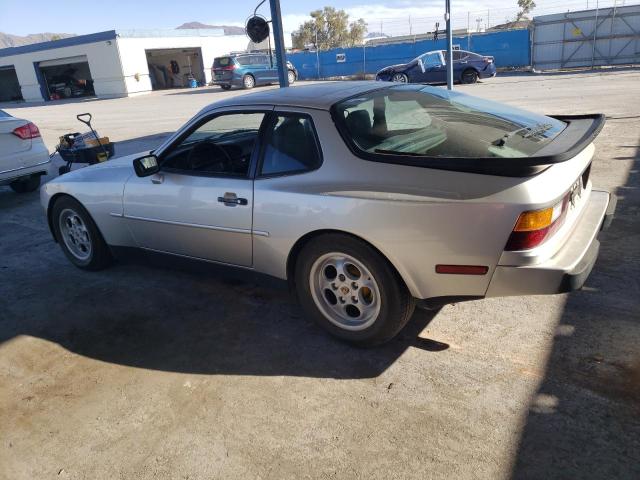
(510,49)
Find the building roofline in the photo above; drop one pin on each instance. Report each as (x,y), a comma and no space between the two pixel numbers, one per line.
(61,43)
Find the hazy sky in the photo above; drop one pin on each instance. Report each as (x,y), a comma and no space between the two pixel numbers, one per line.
(393,17)
(21,17)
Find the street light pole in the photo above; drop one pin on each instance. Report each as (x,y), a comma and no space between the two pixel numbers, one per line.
(278,37)
(447,17)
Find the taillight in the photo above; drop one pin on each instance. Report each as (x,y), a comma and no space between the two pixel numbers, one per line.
(27,131)
(533,227)
(228,67)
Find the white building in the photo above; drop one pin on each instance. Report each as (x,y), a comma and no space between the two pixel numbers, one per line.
(112,64)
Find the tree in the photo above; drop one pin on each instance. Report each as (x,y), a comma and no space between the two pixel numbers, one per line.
(329,28)
(525,7)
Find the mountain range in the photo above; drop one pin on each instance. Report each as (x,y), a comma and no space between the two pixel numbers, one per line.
(8,40)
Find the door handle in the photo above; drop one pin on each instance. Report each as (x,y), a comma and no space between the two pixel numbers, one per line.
(157,178)
(231,200)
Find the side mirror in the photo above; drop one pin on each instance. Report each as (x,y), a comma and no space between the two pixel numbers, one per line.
(145,166)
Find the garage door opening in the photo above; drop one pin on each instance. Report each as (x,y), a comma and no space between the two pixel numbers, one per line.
(67,77)
(9,85)
(175,67)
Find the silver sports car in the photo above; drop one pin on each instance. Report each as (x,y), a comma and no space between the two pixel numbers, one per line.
(368,198)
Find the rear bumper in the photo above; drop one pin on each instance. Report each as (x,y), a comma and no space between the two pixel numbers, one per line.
(39,169)
(569,268)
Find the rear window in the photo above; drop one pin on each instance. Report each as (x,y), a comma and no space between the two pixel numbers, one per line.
(427,121)
(222,62)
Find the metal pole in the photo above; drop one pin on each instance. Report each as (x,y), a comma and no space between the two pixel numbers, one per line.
(317,55)
(595,31)
(364,60)
(278,38)
(447,17)
(488,20)
(468,30)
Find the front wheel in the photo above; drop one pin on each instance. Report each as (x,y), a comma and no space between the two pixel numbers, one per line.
(248,82)
(79,236)
(351,291)
(291,77)
(400,77)
(26,185)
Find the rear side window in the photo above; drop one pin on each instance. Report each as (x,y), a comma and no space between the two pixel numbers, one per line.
(425,121)
(291,147)
(244,61)
(222,62)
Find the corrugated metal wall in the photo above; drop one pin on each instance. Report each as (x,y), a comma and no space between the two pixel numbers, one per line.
(510,48)
(608,36)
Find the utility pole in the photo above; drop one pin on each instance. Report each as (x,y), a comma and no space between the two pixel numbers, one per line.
(278,37)
(447,17)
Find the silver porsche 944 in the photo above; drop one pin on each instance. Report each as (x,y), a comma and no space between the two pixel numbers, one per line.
(367,198)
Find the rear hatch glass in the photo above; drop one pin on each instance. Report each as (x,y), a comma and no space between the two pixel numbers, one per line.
(425,121)
(222,62)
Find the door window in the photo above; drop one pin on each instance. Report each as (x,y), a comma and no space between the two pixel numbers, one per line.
(292,146)
(221,146)
(431,60)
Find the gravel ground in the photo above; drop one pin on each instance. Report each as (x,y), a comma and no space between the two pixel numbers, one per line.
(145,372)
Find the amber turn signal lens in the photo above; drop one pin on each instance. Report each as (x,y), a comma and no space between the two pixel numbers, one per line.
(534,220)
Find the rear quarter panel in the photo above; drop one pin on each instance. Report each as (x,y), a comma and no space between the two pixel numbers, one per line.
(415,217)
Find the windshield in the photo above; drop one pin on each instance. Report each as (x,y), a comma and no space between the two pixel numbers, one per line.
(428,121)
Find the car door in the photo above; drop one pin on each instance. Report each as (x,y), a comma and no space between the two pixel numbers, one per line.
(272,69)
(258,68)
(200,204)
(434,68)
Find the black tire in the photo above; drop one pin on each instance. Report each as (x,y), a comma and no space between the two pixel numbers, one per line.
(225,87)
(396,303)
(291,77)
(26,185)
(100,256)
(248,82)
(469,76)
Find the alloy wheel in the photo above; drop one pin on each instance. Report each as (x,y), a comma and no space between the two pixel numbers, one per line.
(399,77)
(75,234)
(345,291)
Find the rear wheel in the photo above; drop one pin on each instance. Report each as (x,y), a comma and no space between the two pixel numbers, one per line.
(225,87)
(291,76)
(79,236)
(469,76)
(400,77)
(351,290)
(248,82)
(25,185)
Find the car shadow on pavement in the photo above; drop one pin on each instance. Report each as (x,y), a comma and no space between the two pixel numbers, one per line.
(584,421)
(204,321)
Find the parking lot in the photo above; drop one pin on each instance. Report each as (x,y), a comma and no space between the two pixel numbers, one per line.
(145,371)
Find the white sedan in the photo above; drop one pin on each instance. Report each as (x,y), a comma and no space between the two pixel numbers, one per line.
(368,198)
(24,158)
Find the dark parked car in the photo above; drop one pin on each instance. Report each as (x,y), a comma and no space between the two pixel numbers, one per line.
(247,70)
(431,67)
